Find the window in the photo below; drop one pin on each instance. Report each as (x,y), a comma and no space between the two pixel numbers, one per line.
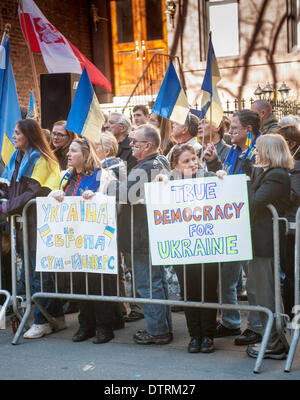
(224,25)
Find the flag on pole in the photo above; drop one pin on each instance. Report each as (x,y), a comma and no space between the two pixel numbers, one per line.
(58,53)
(210,98)
(171,102)
(85,117)
(32,109)
(10,111)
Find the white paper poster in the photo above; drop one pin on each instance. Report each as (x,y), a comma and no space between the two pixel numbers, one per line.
(203,220)
(77,235)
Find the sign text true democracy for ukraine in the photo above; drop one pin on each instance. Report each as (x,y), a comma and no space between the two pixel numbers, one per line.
(199,220)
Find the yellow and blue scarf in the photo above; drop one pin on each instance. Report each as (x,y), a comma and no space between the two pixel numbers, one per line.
(234,154)
(34,166)
(89,181)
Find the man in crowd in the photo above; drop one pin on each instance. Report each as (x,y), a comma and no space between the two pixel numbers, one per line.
(269,123)
(119,125)
(145,145)
(140,115)
(186,133)
(209,133)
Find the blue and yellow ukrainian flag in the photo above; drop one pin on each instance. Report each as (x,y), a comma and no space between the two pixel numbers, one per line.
(249,139)
(32,112)
(85,117)
(171,102)
(10,111)
(109,231)
(211,106)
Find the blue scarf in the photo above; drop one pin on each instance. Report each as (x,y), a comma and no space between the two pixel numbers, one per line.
(233,155)
(88,182)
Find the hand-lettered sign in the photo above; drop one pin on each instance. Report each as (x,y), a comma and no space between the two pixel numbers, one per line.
(77,235)
(203,220)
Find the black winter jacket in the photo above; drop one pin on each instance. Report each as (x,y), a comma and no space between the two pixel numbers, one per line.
(268,187)
(150,167)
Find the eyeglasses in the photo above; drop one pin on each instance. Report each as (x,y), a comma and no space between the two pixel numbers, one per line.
(58,135)
(138,141)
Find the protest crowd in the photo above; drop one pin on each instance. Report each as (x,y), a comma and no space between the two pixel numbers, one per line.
(153,149)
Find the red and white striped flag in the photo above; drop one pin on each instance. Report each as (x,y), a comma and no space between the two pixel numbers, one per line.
(58,53)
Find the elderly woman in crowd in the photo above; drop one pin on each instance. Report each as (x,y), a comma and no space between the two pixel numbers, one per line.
(107,150)
(269,185)
(32,171)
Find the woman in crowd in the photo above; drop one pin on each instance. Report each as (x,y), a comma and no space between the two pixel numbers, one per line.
(292,136)
(165,128)
(269,185)
(83,178)
(32,171)
(107,150)
(201,322)
(61,138)
(290,119)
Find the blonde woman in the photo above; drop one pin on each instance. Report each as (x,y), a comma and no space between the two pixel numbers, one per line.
(107,150)
(270,186)
(83,178)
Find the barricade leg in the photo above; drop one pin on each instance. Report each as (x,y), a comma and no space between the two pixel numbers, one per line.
(22,325)
(265,339)
(278,302)
(296,334)
(27,278)
(292,351)
(6,303)
(14,267)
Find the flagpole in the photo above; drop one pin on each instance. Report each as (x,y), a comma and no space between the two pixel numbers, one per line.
(6,31)
(35,78)
(210,120)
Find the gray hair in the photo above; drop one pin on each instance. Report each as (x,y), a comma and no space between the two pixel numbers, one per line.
(291,119)
(192,122)
(109,142)
(123,120)
(263,105)
(151,134)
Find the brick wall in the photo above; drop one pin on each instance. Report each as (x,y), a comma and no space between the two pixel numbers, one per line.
(70,17)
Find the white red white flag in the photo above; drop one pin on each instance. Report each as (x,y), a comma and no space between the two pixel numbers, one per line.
(58,53)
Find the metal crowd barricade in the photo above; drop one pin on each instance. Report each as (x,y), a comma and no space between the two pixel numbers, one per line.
(279,314)
(295,325)
(134,299)
(3,292)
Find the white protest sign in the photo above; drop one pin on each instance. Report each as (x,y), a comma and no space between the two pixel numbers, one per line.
(77,235)
(203,220)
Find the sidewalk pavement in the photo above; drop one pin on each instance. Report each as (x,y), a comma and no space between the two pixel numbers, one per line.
(56,357)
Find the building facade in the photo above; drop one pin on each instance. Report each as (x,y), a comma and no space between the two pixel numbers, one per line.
(256,42)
